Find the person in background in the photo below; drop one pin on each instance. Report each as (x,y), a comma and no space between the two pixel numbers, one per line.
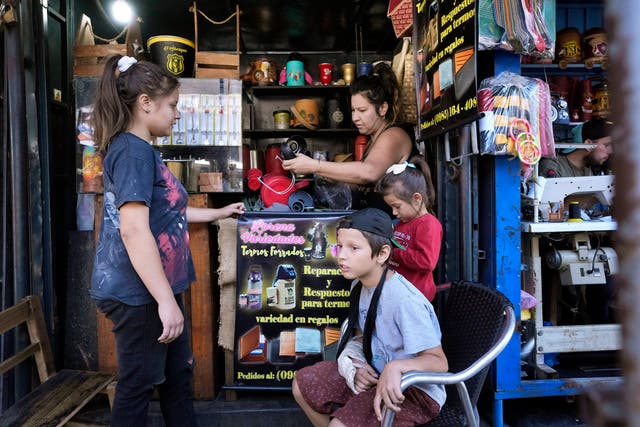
(374,111)
(391,329)
(407,188)
(143,263)
(574,162)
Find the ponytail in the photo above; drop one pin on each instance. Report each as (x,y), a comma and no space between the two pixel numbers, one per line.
(411,180)
(118,90)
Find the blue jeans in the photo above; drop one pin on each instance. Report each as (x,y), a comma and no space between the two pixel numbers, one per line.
(144,363)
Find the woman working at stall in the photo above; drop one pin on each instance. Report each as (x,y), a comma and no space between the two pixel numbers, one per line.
(374,111)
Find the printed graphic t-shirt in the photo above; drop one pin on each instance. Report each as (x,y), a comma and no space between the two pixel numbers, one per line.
(134,172)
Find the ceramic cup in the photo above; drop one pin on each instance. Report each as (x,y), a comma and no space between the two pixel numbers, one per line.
(364,69)
(326,73)
(348,72)
(295,73)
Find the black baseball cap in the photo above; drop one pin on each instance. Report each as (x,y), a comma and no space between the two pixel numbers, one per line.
(371,220)
(596,128)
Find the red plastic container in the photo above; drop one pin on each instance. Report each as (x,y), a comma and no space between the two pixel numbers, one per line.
(277,188)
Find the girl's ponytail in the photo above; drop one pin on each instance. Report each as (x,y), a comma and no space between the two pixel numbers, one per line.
(407,179)
(110,114)
(118,91)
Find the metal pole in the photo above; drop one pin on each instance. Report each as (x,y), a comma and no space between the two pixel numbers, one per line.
(18,165)
(622,17)
(17,173)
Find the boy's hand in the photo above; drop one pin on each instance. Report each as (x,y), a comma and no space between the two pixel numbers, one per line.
(388,389)
(366,377)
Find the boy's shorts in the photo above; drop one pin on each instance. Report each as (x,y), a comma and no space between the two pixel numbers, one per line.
(324,389)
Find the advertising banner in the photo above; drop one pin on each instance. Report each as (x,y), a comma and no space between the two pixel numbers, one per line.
(291,296)
(444,40)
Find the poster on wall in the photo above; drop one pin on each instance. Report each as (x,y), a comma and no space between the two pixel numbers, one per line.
(291,298)
(444,40)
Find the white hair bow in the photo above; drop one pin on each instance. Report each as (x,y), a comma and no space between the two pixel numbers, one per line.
(125,62)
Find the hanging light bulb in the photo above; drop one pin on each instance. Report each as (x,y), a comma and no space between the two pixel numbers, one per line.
(121,11)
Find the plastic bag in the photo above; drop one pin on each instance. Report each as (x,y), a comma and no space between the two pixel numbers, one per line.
(516,117)
(522,26)
(334,195)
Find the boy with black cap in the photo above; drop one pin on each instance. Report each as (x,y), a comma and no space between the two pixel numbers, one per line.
(579,162)
(391,329)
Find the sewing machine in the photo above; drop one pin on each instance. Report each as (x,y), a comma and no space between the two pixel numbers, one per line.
(581,262)
(549,194)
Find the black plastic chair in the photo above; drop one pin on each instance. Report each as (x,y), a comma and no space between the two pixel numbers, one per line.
(477,323)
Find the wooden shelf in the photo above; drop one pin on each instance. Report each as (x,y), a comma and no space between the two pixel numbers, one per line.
(285,133)
(568,227)
(296,91)
(554,69)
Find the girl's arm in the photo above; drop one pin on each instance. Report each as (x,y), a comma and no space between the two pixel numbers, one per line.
(209,214)
(145,258)
(388,389)
(392,146)
(423,251)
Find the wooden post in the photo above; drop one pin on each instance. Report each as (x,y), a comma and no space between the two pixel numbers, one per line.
(203,310)
(238,30)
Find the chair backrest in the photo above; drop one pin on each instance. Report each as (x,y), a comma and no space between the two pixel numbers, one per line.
(28,311)
(471,323)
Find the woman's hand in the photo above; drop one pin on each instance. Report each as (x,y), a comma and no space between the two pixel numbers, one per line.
(302,164)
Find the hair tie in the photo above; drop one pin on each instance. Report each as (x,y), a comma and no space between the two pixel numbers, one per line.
(125,63)
(398,168)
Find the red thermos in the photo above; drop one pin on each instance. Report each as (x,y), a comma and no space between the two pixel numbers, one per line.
(360,145)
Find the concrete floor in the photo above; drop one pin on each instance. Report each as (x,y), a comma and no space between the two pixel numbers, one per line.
(267,409)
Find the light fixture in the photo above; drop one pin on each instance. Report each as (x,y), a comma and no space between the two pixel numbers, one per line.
(121,11)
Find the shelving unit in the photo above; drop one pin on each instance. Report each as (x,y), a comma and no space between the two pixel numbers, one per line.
(517,260)
(555,69)
(261,101)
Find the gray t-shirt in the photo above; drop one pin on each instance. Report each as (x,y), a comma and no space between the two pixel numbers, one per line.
(406,324)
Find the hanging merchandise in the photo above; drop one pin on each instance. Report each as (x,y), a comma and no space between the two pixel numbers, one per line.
(403,68)
(522,26)
(516,117)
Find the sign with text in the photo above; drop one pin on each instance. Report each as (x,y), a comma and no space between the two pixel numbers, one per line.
(444,40)
(291,296)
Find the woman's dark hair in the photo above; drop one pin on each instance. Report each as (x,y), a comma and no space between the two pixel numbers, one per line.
(117,94)
(379,87)
(410,181)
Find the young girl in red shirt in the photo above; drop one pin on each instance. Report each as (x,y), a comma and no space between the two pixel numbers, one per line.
(407,188)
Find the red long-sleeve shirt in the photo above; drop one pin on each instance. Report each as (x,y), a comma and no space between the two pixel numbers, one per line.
(422,238)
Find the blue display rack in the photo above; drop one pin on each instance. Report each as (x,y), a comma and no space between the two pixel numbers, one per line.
(503,243)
